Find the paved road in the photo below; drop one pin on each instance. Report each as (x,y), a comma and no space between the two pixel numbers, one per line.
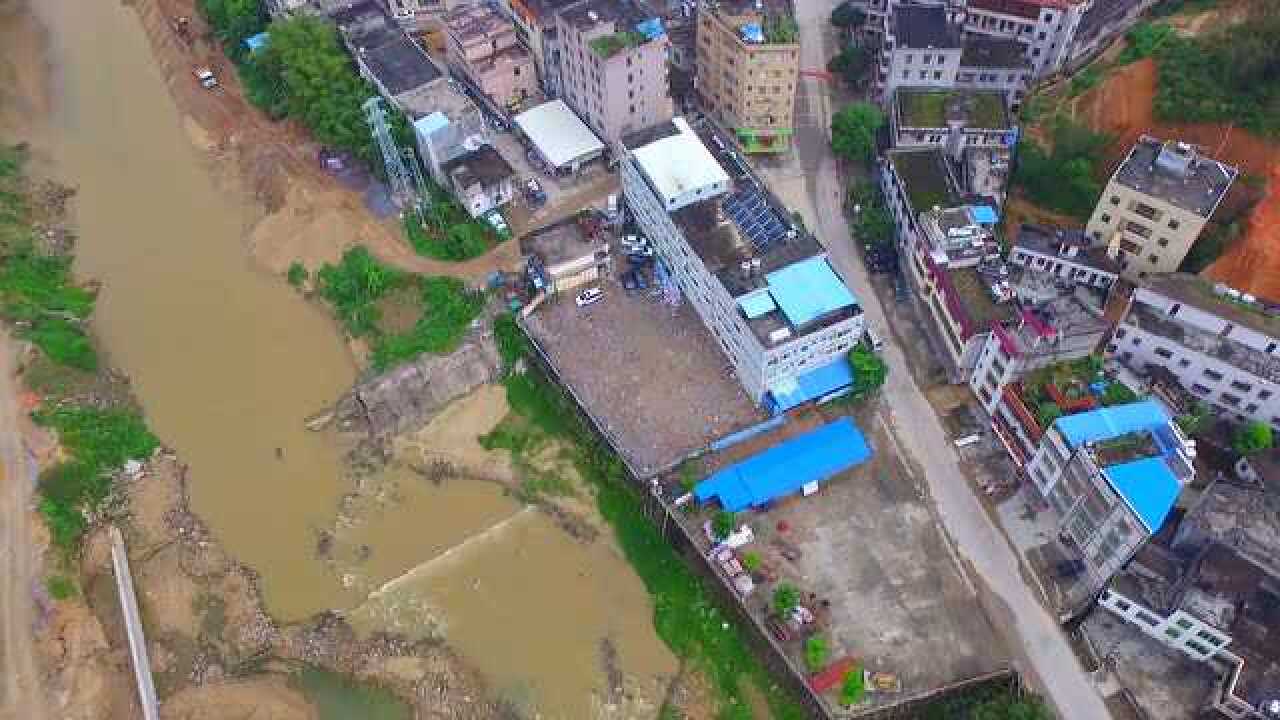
(21,691)
(1034,633)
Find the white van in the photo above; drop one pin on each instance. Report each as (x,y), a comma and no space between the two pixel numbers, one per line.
(873,339)
(589,296)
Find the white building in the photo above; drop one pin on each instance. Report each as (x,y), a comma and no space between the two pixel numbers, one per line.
(1218,343)
(763,288)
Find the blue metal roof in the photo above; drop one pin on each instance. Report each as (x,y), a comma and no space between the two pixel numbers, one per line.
(1110,422)
(811,385)
(753,33)
(1149,486)
(257,42)
(984,214)
(428,124)
(807,290)
(757,304)
(785,468)
(651,29)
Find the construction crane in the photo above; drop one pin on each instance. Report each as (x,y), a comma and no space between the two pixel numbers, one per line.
(398,177)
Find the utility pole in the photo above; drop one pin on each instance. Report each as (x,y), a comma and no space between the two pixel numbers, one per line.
(402,190)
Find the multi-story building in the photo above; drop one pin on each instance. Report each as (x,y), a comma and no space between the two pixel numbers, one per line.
(613,66)
(481,180)
(454,127)
(1069,255)
(763,287)
(1156,203)
(1110,477)
(995,64)
(390,59)
(922,48)
(950,252)
(972,126)
(748,65)
(535,24)
(482,45)
(1217,342)
(1211,591)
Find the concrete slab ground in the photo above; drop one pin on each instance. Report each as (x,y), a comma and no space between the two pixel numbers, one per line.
(565,195)
(1165,683)
(868,556)
(650,373)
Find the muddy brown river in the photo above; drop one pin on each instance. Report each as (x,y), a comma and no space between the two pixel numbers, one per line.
(227,361)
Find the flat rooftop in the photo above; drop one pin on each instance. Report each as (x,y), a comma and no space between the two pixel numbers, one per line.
(366,24)
(981,109)
(976,298)
(400,65)
(485,166)
(984,51)
(624,15)
(559,242)
(1051,241)
(624,356)
(924,26)
(475,23)
(1195,290)
(1069,322)
(1177,174)
(925,176)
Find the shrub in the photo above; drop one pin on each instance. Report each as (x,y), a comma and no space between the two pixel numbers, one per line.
(1251,437)
(722,524)
(447,311)
(354,285)
(785,599)
(815,653)
(751,561)
(60,587)
(1118,393)
(853,688)
(100,439)
(1063,178)
(297,274)
(64,342)
(869,371)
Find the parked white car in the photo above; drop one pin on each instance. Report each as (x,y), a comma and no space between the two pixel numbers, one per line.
(589,296)
(873,339)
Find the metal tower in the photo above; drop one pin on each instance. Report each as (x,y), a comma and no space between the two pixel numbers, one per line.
(424,195)
(398,177)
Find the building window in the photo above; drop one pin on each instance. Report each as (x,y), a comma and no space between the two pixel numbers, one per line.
(1241,386)
(1163,242)
(1120,333)
(910,57)
(1164,353)
(1251,408)
(1173,224)
(937,75)
(1212,374)
(1200,389)
(926,59)
(1264,394)
(1183,623)
(1115,199)
(1173,633)
(1147,618)
(1106,217)
(1229,399)
(1136,341)
(1184,363)
(1174,308)
(1271,347)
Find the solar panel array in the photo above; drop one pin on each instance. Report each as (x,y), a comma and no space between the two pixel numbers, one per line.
(755,219)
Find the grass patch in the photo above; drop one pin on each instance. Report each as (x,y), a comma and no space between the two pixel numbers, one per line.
(357,285)
(686,615)
(61,587)
(606,46)
(447,232)
(337,697)
(37,295)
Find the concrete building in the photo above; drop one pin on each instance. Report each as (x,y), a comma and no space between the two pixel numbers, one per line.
(613,66)
(995,64)
(454,127)
(390,59)
(1156,204)
(566,255)
(536,25)
(1069,255)
(974,128)
(481,180)
(1211,591)
(922,48)
(748,65)
(763,287)
(1222,348)
(1110,477)
(559,137)
(483,47)
(950,252)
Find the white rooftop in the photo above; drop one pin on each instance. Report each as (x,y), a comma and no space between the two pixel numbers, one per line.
(681,168)
(558,133)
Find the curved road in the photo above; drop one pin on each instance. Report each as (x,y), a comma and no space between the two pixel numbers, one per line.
(21,692)
(1044,654)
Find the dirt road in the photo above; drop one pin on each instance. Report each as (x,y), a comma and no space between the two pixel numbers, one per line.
(23,695)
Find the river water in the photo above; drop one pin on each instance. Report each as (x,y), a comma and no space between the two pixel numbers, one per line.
(228,360)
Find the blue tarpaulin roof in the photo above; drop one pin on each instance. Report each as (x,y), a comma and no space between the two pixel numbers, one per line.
(1149,486)
(651,28)
(428,124)
(807,290)
(257,42)
(1110,422)
(753,33)
(812,385)
(757,304)
(785,468)
(984,214)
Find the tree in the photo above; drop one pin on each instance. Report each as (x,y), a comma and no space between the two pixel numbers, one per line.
(234,20)
(750,561)
(869,371)
(785,599)
(815,653)
(722,524)
(1118,393)
(1062,179)
(846,16)
(853,688)
(853,131)
(1008,707)
(297,274)
(1254,436)
(1195,420)
(852,64)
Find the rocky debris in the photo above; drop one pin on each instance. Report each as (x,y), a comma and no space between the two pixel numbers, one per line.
(407,397)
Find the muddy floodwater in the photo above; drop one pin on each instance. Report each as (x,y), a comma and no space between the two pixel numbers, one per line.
(227,361)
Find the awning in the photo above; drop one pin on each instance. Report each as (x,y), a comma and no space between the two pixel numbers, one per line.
(812,385)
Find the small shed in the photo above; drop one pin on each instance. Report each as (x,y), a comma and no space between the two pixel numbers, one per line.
(559,136)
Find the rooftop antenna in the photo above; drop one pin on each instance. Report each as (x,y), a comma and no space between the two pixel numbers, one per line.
(397,174)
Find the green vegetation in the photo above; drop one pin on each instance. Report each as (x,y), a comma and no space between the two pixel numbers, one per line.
(338,697)
(816,653)
(1213,242)
(722,524)
(690,472)
(297,274)
(1117,393)
(853,131)
(234,21)
(98,442)
(854,687)
(872,222)
(869,371)
(61,587)
(1084,80)
(781,30)
(928,108)
(1252,437)
(846,16)
(686,614)
(1227,76)
(989,703)
(785,599)
(606,46)
(1046,412)
(448,232)
(853,65)
(15,211)
(358,282)
(1196,419)
(751,561)
(1144,40)
(1062,177)
(38,296)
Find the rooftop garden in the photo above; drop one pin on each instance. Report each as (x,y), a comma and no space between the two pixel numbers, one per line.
(925,178)
(606,46)
(1126,448)
(1071,387)
(929,108)
(781,30)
